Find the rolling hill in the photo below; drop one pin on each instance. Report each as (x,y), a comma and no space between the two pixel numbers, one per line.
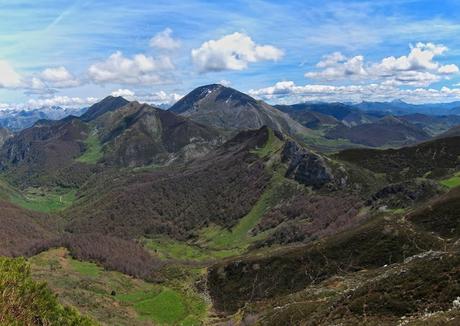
(435,158)
(388,131)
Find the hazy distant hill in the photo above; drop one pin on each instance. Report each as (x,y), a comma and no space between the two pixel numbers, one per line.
(386,131)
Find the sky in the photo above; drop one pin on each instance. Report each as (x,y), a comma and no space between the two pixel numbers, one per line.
(73,53)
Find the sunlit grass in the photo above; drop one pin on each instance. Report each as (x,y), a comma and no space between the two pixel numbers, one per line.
(452,182)
(44,200)
(93,153)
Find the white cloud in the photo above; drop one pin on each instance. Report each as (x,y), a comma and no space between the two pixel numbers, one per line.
(448,69)
(289,92)
(123,92)
(225,82)
(164,40)
(140,69)
(160,97)
(59,77)
(418,68)
(37,84)
(9,78)
(64,101)
(232,52)
(337,66)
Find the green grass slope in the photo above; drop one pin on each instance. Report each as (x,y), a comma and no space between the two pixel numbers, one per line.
(113,298)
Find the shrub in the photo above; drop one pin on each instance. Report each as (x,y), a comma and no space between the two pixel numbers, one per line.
(26,302)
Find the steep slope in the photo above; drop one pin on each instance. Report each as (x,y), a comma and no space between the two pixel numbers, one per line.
(4,135)
(43,149)
(219,188)
(108,104)
(226,108)
(21,230)
(441,215)
(138,134)
(386,131)
(242,180)
(288,270)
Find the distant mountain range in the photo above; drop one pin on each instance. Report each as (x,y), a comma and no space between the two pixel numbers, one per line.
(16,120)
(400,107)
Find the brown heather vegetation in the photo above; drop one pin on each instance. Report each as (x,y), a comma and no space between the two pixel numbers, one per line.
(441,215)
(21,229)
(112,253)
(42,150)
(307,217)
(220,188)
(372,245)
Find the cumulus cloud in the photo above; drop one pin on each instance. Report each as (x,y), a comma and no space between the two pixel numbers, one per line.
(164,40)
(418,68)
(289,92)
(59,77)
(160,97)
(140,69)
(123,92)
(232,52)
(337,66)
(448,69)
(9,78)
(64,101)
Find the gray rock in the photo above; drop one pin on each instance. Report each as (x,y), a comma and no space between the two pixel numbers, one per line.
(304,166)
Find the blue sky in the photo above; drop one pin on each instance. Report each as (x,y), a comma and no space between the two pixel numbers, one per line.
(75,52)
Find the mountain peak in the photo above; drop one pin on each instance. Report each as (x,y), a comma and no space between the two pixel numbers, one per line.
(110,103)
(214,92)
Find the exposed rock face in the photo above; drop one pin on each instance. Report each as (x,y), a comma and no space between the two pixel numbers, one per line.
(305,166)
(4,135)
